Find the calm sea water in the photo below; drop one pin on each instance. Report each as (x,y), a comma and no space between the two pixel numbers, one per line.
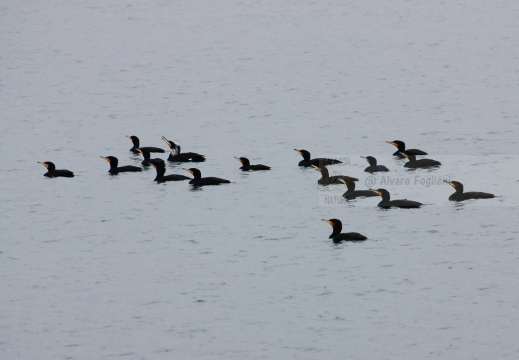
(101,267)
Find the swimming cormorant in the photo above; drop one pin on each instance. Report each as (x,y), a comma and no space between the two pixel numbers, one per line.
(351,193)
(52,172)
(326,179)
(115,169)
(459,195)
(136,142)
(198,180)
(338,237)
(387,203)
(161,170)
(306,162)
(246,166)
(176,156)
(417,164)
(373,167)
(146,155)
(400,145)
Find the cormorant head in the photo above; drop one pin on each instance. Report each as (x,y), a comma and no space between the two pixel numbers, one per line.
(371,160)
(455,184)
(111,159)
(48,164)
(243,160)
(336,225)
(381,192)
(134,139)
(195,172)
(305,154)
(399,144)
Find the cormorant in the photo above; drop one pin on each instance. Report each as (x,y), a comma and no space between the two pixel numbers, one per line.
(136,146)
(373,167)
(246,166)
(146,154)
(176,156)
(416,164)
(161,170)
(401,148)
(198,180)
(351,193)
(326,179)
(306,162)
(115,169)
(52,172)
(387,203)
(338,237)
(459,195)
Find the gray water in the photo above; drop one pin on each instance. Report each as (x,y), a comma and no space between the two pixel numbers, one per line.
(101,267)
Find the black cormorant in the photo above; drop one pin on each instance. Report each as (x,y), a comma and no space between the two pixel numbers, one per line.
(115,169)
(421,163)
(136,146)
(161,170)
(176,156)
(326,179)
(373,167)
(198,180)
(400,145)
(338,237)
(387,203)
(246,166)
(52,172)
(306,162)
(351,193)
(459,195)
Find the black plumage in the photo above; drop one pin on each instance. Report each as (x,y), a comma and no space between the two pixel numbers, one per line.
(116,169)
(351,193)
(136,145)
(400,145)
(373,167)
(160,167)
(198,180)
(419,164)
(307,161)
(52,172)
(177,156)
(388,203)
(338,237)
(459,195)
(246,165)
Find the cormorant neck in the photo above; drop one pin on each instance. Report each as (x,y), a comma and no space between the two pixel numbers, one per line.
(411,157)
(336,230)
(160,172)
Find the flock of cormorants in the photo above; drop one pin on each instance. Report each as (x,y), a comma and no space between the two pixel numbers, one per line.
(318,163)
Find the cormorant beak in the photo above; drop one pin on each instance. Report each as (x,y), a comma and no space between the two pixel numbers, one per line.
(343,181)
(376,192)
(299,151)
(237,158)
(139,150)
(154,166)
(129,137)
(326,220)
(39,162)
(316,167)
(403,153)
(166,140)
(365,158)
(189,171)
(391,142)
(103,157)
(449,182)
